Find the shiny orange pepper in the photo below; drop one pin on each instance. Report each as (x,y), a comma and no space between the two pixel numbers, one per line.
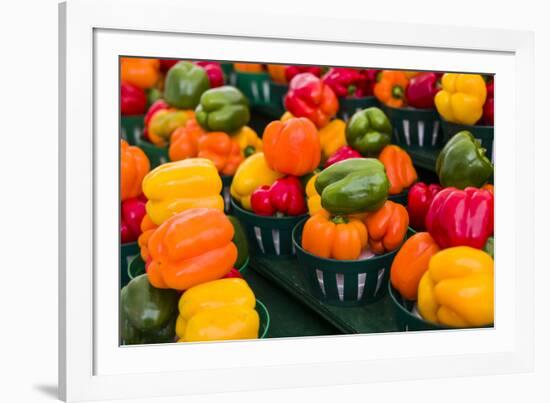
(191,248)
(147,228)
(184,141)
(134,165)
(248,67)
(277,72)
(387,227)
(390,88)
(340,237)
(222,150)
(141,72)
(489,187)
(399,168)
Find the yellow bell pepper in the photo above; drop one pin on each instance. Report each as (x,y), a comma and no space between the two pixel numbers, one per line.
(313,198)
(251,174)
(164,122)
(461,98)
(286,116)
(332,137)
(457,290)
(178,186)
(218,310)
(248,141)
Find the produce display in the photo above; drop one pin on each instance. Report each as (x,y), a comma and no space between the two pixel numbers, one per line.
(291,200)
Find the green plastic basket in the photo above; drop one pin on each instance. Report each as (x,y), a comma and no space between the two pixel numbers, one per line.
(131,128)
(265,319)
(484,134)
(406,314)
(348,106)
(226,192)
(128,252)
(229,73)
(277,96)
(344,283)
(401,198)
(157,155)
(268,236)
(255,86)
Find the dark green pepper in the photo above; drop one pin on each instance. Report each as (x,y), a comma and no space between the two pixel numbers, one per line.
(240,241)
(369,131)
(490,246)
(223,109)
(184,85)
(148,314)
(462,162)
(352,186)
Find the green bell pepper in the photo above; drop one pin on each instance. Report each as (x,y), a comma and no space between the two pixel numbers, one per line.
(184,85)
(490,246)
(240,241)
(462,162)
(223,109)
(148,314)
(369,131)
(352,186)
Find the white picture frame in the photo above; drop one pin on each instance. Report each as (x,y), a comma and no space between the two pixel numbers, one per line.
(93,366)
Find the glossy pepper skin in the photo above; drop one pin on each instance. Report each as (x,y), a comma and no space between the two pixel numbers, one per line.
(488,117)
(419,199)
(222,150)
(420,92)
(134,166)
(214,72)
(369,131)
(293,70)
(191,248)
(148,314)
(399,168)
(284,196)
(353,186)
(147,228)
(344,153)
(313,198)
(390,88)
(131,214)
(309,97)
(185,83)
(340,237)
(332,137)
(387,227)
(164,122)
(461,98)
(292,147)
(462,162)
(461,217)
(344,81)
(223,109)
(218,310)
(141,72)
(411,262)
(155,106)
(184,141)
(458,288)
(133,100)
(248,141)
(181,185)
(251,174)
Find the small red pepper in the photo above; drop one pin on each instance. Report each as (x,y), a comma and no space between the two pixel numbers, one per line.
(419,200)
(155,106)
(421,90)
(461,217)
(214,72)
(131,214)
(133,100)
(293,70)
(344,81)
(367,88)
(166,64)
(343,153)
(233,273)
(285,196)
(488,117)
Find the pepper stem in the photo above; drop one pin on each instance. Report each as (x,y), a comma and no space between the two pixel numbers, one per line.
(351,90)
(248,151)
(397,92)
(339,219)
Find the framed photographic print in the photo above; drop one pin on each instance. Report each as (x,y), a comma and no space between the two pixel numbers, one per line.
(313,207)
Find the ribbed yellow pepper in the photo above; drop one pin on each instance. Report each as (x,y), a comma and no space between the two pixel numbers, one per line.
(313,198)
(177,186)
(251,174)
(164,122)
(332,137)
(461,98)
(457,290)
(248,141)
(218,310)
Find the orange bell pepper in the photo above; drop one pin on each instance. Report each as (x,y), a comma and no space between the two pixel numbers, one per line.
(248,67)
(184,141)
(191,248)
(340,237)
(411,262)
(134,165)
(292,147)
(399,168)
(141,72)
(387,227)
(489,187)
(390,88)
(277,72)
(222,150)
(147,228)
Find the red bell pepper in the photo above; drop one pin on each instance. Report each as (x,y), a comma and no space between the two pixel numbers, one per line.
(166,64)
(133,100)
(291,71)
(421,90)
(343,153)
(155,106)
(370,78)
(461,217)
(131,214)
(419,200)
(309,97)
(488,117)
(285,196)
(214,72)
(344,81)
(233,273)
